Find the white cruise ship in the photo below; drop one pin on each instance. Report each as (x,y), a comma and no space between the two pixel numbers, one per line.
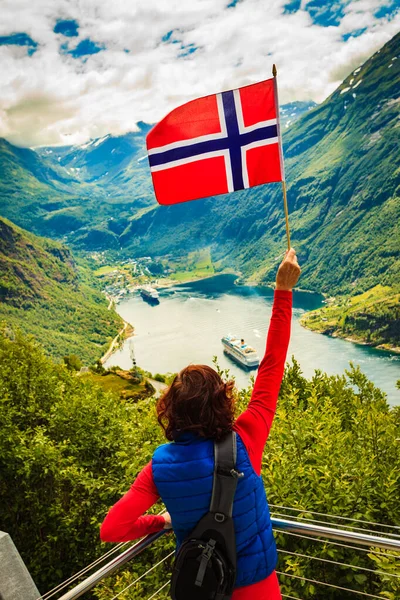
(149,293)
(241,352)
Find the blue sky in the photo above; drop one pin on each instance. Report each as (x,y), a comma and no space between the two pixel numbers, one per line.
(71,70)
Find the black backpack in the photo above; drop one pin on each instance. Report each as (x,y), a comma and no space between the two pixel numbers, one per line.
(205,565)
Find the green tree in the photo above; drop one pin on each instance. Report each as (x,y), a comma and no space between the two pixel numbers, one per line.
(98,367)
(72,362)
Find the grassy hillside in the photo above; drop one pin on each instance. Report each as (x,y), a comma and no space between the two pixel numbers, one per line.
(196,265)
(122,384)
(45,293)
(82,194)
(372,318)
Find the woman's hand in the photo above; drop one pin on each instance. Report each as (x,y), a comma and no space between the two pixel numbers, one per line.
(167,519)
(288,272)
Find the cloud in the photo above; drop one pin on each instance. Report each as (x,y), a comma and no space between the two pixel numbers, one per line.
(325,13)
(100,67)
(19,39)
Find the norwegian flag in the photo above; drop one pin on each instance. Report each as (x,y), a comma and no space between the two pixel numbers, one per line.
(217,144)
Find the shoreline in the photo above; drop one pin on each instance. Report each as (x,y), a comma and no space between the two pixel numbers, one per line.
(171,282)
(115,342)
(166,282)
(382,347)
(122,332)
(244,282)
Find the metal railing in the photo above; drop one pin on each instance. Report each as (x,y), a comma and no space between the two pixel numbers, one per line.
(315,531)
(341,535)
(110,567)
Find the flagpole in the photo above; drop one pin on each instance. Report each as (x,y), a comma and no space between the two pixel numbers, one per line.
(274,73)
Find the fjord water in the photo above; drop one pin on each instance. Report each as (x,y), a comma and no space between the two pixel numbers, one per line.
(187,326)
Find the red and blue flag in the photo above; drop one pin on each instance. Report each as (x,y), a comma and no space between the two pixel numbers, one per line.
(217,144)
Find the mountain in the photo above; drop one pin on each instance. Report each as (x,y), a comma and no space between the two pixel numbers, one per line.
(104,160)
(291,112)
(85,195)
(30,186)
(44,292)
(342,168)
(342,171)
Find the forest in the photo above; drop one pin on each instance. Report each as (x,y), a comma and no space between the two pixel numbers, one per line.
(69,450)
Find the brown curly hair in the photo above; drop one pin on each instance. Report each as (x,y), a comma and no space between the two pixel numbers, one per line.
(199,401)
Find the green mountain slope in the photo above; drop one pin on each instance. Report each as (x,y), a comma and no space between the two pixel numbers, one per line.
(45,293)
(342,167)
(30,186)
(85,194)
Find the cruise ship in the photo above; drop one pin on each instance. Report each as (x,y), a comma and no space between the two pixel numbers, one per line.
(241,352)
(150,294)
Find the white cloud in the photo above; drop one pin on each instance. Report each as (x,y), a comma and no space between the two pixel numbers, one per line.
(52,98)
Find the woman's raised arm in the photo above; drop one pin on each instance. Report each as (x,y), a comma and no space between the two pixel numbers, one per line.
(254,424)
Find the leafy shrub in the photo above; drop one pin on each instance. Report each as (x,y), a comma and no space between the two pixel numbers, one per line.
(72,362)
(159,377)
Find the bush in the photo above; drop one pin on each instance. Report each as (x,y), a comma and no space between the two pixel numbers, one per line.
(159,377)
(72,362)
(98,368)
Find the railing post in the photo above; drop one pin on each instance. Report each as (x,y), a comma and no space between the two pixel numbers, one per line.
(15,580)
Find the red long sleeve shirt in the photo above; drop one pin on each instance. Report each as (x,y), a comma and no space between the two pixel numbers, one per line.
(126,521)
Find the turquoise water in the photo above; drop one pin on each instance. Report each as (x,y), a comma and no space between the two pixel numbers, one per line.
(187,326)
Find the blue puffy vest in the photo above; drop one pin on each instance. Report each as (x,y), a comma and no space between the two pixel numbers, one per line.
(183,474)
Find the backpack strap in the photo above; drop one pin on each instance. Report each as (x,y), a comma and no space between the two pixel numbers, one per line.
(215,529)
(225,477)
